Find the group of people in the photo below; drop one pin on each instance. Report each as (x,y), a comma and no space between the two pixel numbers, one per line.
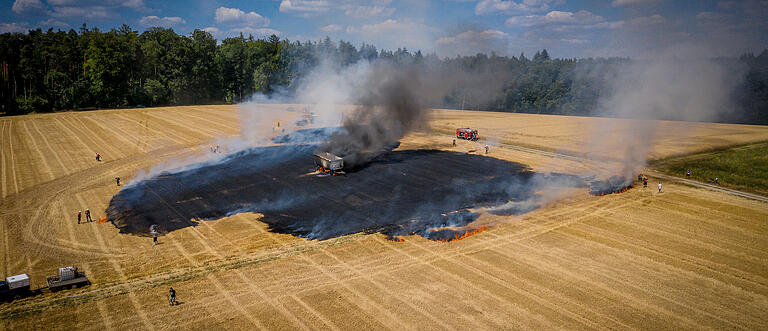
(215,149)
(87,216)
(486,146)
(171,292)
(644,179)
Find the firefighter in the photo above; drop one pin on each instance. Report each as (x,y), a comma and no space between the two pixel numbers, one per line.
(79,216)
(172,296)
(88,215)
(117,180)
(486,149)
(659,187)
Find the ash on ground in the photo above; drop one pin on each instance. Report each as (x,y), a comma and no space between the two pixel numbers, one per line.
(398,193)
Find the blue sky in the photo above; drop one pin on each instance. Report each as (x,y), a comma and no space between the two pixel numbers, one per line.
(566,28)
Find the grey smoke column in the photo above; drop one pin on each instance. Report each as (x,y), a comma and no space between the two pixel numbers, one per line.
(391,103)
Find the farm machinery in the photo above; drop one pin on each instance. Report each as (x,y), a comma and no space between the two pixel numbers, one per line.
(67,278)
(18,286)
(329,163)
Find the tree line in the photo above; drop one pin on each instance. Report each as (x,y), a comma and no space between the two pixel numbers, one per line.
(44,71)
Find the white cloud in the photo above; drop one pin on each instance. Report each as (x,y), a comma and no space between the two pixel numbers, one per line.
(711,16)
(352,8)
(212,30)
(148,21)
(136,4)
(581,17)
(330,28)
(368,11)
(52,23)
(95,12)
(575,41)
(503,6)
(234,16)
(646,21)
(472,42)
(472,37)
(304,7)
(20,6)
(618,3)
(392,34)
(13,27)
(93,9)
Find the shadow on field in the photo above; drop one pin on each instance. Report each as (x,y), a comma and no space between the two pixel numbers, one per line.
(399,193)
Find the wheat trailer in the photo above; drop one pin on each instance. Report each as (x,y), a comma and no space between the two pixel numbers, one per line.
(329,163)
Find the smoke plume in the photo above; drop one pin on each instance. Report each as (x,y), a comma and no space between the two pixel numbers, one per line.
(390,105)
(650,90)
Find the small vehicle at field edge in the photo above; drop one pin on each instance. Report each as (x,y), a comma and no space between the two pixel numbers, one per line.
(68,278)
(14,287)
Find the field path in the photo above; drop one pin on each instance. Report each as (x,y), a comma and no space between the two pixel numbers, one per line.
(712,187)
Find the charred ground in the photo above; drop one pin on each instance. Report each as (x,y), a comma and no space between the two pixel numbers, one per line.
(424,192)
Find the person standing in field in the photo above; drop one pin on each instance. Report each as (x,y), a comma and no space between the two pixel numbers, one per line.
(88,215)
(172,296)
(98,157)
(659,187)
(117,179)
(79,216)
(486,149)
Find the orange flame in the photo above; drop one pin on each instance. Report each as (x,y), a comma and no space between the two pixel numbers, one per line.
(466,234)
(619,191)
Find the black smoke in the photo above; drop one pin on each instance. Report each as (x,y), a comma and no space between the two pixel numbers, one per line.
(390,104)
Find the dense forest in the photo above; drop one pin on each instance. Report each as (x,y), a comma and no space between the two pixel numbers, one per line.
(45,71)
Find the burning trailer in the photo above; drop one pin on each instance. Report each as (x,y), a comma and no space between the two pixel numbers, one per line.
(329,163)
(466,133)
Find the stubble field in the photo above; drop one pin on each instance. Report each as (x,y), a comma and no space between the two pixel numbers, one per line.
(684,258)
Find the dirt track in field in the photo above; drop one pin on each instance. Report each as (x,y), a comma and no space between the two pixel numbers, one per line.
(685,258)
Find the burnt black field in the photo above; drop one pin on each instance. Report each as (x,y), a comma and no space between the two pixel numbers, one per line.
(397,193)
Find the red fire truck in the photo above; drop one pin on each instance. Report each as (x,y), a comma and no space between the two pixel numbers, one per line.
(466,133)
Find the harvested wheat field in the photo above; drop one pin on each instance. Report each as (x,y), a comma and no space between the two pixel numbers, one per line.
(688,257)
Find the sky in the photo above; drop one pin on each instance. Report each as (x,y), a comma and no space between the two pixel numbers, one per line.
(566,28)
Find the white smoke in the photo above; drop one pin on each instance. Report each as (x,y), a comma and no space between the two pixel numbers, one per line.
(650,90)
